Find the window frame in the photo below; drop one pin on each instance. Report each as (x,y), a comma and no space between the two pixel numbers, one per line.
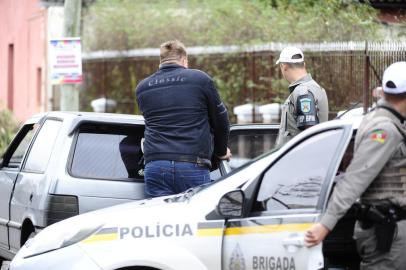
(326,186)
(264,129)
(27,154)
(15,143)
(72,150)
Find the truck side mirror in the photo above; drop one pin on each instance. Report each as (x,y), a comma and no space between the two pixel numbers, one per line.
(231,204)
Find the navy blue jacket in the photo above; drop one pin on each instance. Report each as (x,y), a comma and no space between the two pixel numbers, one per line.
(185,119)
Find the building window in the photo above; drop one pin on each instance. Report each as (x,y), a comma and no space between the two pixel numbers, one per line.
(39,86)
(10,84)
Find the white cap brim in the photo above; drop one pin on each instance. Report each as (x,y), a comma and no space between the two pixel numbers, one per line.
(394,79)
(289,61)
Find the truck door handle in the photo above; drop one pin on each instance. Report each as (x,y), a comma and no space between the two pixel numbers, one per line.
(296,241)
(224,167)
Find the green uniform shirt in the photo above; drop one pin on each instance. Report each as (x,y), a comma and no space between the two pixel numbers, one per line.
(307,105)
(379,147)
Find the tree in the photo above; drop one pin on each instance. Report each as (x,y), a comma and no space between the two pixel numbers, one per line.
(8,128)
(128,24)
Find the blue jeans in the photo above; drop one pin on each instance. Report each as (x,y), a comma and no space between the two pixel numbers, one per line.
(164,177)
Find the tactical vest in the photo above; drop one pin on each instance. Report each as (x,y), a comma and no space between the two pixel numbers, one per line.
(390,183)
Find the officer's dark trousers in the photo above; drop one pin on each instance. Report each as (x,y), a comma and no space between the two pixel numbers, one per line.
(374,260)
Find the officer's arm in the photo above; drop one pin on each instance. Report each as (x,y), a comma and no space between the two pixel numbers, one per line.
(218,118)
(375,149)
(306,111)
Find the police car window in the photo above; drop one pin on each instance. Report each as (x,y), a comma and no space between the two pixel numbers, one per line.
(295,180)
(41,150)
(108,152)
(250,143)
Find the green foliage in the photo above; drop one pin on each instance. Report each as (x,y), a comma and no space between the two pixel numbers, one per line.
(280,87)
(228,77)
(8,128)
(115,80)
(129,24)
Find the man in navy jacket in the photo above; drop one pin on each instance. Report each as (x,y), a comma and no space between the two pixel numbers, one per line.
(185,123)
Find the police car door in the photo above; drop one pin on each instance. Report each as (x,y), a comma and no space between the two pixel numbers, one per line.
(289,199)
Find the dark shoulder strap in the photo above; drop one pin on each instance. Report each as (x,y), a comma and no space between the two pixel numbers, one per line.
(401,132)
(393,111)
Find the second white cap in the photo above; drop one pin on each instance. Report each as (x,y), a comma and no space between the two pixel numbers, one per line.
(394,78)
(291,55)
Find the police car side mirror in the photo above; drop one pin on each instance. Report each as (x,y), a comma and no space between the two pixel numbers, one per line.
(231,204)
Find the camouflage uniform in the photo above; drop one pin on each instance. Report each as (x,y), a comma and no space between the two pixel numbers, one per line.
(307,105)
(377,172)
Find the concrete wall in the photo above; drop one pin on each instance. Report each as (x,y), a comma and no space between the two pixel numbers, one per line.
(23,57)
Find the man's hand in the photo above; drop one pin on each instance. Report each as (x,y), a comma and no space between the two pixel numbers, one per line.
(316,234)
(226,156)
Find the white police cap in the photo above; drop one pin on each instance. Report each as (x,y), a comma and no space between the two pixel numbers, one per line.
(290,55)
(394,78)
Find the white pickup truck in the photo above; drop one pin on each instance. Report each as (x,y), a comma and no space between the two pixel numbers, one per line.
(63,164)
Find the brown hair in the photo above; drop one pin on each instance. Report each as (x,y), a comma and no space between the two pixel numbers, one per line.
(394,98)
(172,51)
(295,65)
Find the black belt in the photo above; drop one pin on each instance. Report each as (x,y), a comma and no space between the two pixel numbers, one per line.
(368,214)
(196,160)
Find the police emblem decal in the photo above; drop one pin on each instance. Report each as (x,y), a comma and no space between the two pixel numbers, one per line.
(379,135)
(237,261)
(305,105)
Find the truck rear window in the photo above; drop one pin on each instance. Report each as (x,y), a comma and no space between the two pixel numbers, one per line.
(247,144)
(108,152)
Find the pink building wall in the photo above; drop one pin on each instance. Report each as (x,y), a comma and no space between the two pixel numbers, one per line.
(22,57)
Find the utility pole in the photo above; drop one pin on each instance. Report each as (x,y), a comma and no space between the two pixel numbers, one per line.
(71,28)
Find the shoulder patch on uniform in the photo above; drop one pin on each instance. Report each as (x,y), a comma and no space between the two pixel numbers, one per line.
(379,135)
(305,104)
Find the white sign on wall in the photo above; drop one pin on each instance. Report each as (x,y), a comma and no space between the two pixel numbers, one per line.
(65,61)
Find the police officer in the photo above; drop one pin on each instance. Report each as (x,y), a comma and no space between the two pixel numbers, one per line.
(185,123)
(307,104)
(377,176)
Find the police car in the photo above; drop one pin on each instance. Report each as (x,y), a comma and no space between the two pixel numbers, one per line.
(254,218)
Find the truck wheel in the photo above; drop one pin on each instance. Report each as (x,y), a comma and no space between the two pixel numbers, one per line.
(5,265)
(32,234)
(26,235)
(27,231)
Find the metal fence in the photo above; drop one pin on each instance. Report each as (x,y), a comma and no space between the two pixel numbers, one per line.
(348,71)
